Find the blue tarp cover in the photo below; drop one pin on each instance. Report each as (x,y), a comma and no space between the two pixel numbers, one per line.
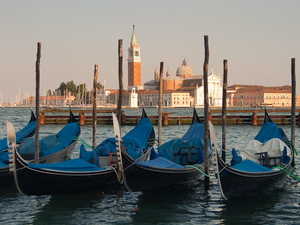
(193,137)
(160,162)
(76,165)
(52,143)
(134,142)
(20,135)
(268,131)
(196,130)
(3,165)
(249,166)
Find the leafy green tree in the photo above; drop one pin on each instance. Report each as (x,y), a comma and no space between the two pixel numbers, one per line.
(61,88)
(99,86)
(71,86)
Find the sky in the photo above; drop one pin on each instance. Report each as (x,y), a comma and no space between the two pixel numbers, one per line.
(258,38)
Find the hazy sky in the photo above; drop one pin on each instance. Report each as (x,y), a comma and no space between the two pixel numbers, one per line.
(257,37)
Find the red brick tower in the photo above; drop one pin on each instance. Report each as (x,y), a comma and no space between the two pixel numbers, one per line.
(134,62)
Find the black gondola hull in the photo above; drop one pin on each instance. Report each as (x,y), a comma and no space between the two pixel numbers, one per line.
(7,178)
(236,183)
(141,178)
(144,178)
(32,181)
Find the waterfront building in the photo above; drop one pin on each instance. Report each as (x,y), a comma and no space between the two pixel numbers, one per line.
(53,100)
(257,95)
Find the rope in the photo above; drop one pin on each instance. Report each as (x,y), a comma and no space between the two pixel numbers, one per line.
(83,142)
(288,171)
(295,150)
(120,181)
(195,167)
(224,150)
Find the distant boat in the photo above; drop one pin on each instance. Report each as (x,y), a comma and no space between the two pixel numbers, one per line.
(260,167)
(53,148)
(79,175)
(177,164)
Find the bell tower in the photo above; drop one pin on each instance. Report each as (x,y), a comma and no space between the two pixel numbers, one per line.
(134,62)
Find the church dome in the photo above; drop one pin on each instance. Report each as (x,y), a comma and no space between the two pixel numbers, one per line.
(184,71)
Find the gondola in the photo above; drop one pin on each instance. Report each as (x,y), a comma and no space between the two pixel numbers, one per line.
(175,165)
(27,131)
(53,148)
(80,174)
(261,165)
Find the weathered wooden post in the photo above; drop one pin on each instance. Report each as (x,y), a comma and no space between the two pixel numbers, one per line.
(205,70)
(209,117)
(293,119)
(95,105)
(119,108)
(37,103)
(123,117)
(165,119)
(81,118)
(159,123)
(254,119)
(42,118)
(224,108)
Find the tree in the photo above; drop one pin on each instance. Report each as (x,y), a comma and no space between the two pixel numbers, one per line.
(99,86)
(71,86)
(49,93)
(62,87)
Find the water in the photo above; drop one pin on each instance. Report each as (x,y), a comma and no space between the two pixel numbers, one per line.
(185,207)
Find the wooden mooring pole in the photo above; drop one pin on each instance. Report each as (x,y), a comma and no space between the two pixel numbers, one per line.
(293,119)
(95,105)
(205,75)
(37,103)
(224,108)
(119,107)
(159,123)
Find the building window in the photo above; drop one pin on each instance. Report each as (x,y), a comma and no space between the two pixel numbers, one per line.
(136,53)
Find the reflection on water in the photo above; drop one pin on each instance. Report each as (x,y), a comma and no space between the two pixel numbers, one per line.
(185,207)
